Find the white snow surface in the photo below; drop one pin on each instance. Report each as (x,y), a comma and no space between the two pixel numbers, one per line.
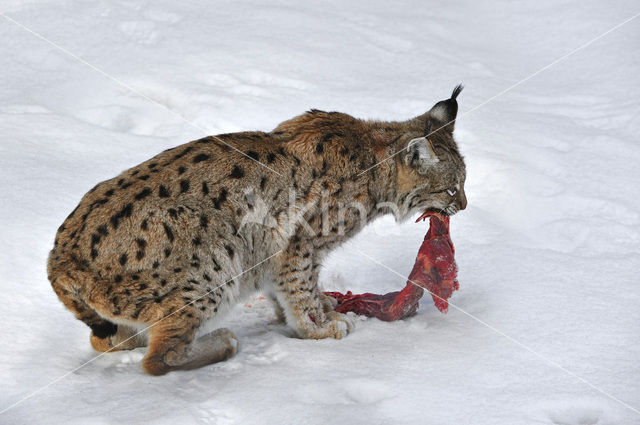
(548,249)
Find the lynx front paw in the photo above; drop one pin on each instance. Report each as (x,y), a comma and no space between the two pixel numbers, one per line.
(328,303)
(336,325)
(339,324)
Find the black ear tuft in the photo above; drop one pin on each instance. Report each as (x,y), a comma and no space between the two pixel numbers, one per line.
(457,91)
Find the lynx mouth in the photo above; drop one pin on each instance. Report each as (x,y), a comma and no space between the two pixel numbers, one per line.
(431,212)
(436,211)
(448,211)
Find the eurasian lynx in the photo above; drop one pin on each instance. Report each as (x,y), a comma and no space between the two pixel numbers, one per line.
(172,242)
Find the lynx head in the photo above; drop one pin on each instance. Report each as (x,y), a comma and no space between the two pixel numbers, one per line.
(430,170)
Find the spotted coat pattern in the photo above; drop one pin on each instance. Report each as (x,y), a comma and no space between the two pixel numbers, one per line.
(167,243)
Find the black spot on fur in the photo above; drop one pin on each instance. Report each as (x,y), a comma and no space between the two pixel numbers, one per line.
(220,199)
(163,192)
(184,186)
(183,153)
(253,155)
(237,173)
(270,158)
(197,241)
(123,259)
(229,251)
(263,182)
(216,266)
(144,225)
(123,213)
(109,192)
(281,151)
(204,221)
(104,329)
(181,170)
(117,278)
(173,212)
(141,246)
(94,253)
(200,157)
(145,177)
(167,252)
(143,194)
(319,147)
(168,231)
(205,188)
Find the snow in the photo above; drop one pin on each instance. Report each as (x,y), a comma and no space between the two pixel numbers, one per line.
(548,249)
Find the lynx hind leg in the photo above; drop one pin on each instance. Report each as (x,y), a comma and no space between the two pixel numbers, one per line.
(172,345)
(125,338)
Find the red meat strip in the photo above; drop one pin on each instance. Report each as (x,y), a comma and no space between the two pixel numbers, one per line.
(434,270)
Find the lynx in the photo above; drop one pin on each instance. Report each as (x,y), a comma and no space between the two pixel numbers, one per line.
(149,256)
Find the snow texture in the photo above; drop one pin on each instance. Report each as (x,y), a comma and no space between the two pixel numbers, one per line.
(548,249)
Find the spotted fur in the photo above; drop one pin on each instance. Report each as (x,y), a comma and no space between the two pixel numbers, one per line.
(175,241)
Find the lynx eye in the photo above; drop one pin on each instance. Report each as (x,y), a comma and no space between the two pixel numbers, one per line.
(452,191)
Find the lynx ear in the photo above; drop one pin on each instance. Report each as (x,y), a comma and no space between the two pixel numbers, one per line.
(445,111)
(420,155)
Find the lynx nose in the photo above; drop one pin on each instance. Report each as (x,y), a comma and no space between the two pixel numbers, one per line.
(462,201)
